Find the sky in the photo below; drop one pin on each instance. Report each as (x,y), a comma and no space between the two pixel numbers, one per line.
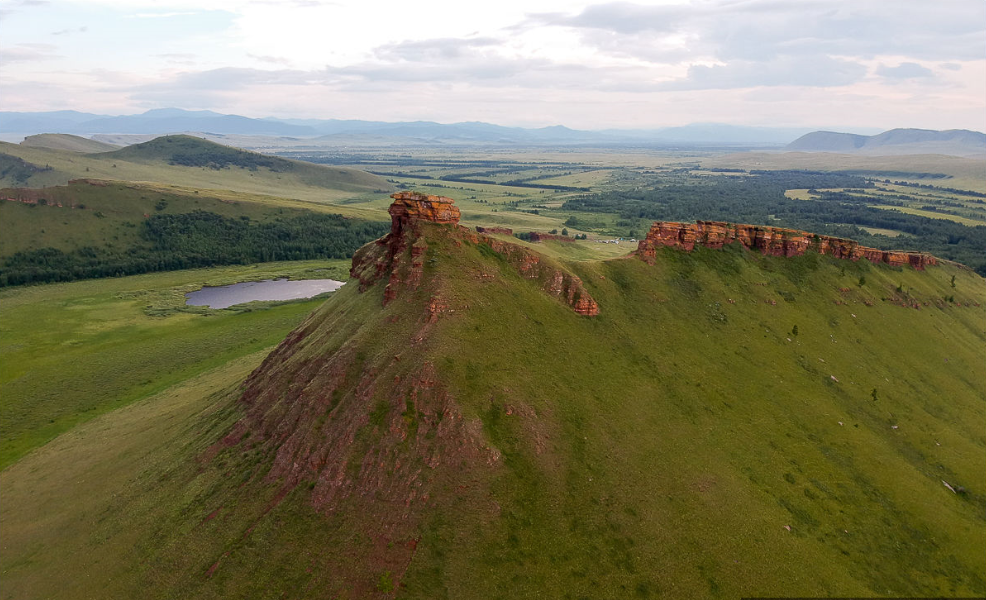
(586,65)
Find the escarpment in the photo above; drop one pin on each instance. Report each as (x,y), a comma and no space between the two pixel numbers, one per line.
(400,255)
(772,241)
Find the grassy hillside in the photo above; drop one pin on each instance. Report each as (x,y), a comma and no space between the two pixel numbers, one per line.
(728,425)
(65,141)
(196,163)
(93,228)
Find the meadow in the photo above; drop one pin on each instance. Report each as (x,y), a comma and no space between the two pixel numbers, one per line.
(72,351)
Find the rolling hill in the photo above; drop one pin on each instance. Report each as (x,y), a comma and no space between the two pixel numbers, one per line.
(194,162)
(954,142)
(468,418)
(64,141)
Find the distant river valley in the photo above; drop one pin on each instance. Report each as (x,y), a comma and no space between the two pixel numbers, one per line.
(277,289)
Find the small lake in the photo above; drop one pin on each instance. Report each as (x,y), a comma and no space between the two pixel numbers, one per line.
(277,289)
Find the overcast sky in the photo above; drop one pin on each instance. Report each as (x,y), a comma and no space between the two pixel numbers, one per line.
(586,65)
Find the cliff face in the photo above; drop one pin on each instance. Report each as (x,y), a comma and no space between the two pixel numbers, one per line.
(401,253)
(412,206)
(773,241)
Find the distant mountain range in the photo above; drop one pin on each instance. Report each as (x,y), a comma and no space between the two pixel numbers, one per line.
(955,142)
(261,134)
(336,131)
(158,121)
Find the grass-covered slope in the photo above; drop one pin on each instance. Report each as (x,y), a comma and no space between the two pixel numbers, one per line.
(93,228)
(190,151)
(65,141)
(728,425)
(194,162)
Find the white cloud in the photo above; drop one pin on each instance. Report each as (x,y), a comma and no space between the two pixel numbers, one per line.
(906,70)
(29,53)
(70,31)
(166,15)
(530,61)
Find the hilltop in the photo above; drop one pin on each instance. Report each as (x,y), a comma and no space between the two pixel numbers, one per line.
(468,418)
(64,141)
(954,142)
(190,151)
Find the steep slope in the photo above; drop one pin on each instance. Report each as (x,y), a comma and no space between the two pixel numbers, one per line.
(468,419)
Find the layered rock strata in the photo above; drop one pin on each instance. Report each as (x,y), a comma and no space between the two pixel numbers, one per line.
(772,241)
(412,206)
(400,254)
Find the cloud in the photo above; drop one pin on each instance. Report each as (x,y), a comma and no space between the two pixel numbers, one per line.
(907,70)
(816,71)
(179,58)
(764,29)
(28,53)
(166,15)
(70,31)
(296,3)
(274,60)
(438,49)
(208,88)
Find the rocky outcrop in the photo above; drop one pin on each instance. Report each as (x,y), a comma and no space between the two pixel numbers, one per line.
(389,254)
(772,241)
(412,206)
(557,282)
(400,254)
(537,236)
(494,230)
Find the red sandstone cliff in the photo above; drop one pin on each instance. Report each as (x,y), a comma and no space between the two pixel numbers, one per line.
(400,254)
(773,241)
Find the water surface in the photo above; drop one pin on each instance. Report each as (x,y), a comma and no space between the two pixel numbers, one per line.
(277,289)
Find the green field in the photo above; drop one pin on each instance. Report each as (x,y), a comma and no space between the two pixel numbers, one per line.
(70,352)
(934,215)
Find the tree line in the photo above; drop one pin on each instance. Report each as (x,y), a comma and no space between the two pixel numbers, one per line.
(169,242)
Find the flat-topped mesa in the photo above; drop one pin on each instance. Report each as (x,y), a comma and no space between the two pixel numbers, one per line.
(773,241)
(412,206)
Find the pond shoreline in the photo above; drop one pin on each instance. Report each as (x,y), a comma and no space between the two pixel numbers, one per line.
(219,297)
